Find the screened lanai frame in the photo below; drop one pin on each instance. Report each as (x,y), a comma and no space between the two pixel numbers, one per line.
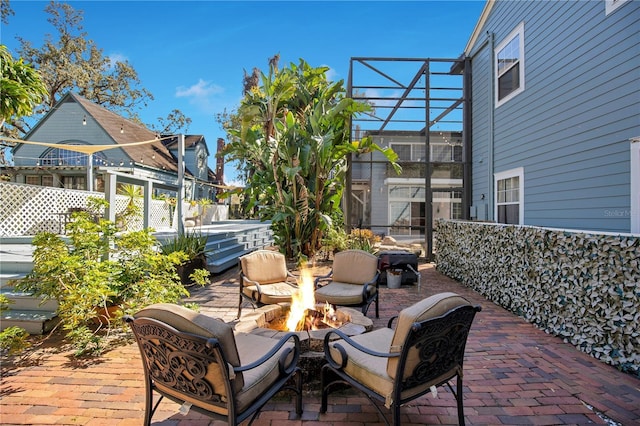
(426,101)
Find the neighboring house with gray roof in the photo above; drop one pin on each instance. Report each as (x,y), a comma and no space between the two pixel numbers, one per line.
(77,121)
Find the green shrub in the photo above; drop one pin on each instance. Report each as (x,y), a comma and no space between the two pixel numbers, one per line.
(363,239)
(98,268)
(12,339)
(192,244)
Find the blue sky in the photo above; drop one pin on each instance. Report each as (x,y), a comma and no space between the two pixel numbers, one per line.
(191,55)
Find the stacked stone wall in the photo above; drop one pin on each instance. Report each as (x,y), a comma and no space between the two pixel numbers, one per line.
(583,287)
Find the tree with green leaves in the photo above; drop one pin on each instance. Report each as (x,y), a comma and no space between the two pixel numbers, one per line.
(5,11)
(73,62)
(293,143)
(175,122)
(21,90)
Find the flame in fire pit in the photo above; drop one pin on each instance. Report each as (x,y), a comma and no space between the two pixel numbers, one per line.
(304,314)
(301,301)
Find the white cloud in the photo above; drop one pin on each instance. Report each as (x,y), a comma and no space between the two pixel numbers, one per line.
(202,89)
(116,57)
(332,75)
(200,94)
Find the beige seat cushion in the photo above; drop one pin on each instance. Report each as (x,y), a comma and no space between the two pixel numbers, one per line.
(188,321)
(264,266)
(257,380)
(339,293)
(271,293)
(431,307)
(366,369)
(378,373)
(354,266)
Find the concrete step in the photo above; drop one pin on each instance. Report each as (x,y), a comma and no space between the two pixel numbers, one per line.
(25,301)
(16,256)
(6,279)
(218,244)
(229,260)
(34,322)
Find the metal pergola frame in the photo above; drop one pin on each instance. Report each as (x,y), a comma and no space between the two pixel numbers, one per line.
(397,105)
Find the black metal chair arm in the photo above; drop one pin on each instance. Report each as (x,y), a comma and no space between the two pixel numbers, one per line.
(343,352)
(372,283)
(282,360)
(391,320)
(245,282)
(292,279)
(321,278)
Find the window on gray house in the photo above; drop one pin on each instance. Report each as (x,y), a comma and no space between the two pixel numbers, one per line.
(509,57)
(508,201)
(64,157)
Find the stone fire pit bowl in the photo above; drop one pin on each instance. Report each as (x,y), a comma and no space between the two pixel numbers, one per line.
(311,342)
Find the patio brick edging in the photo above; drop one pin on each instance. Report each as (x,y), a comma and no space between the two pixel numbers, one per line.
(583,287)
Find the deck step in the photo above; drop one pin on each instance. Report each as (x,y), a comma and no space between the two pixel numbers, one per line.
(226,240)
(222,264)
(7,278)
(34,322)
(24,300)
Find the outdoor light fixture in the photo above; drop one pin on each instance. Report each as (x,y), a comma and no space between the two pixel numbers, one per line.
(122,128)
(84,120)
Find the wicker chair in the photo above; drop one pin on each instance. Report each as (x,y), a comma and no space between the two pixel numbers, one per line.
(196,361)
(264,279)
(353,281)
(426,350)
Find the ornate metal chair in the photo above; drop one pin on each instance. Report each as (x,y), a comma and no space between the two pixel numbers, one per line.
(264,279)
(426,350)
(196,361)
(353,281)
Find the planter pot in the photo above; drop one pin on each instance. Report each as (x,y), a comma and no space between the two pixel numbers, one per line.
(186,269)
(394,278)
(105,316)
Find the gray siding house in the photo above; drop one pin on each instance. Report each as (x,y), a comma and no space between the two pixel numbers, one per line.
(79,122)
(556,114)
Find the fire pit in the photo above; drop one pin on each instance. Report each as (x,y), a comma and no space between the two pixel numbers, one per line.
(269,321)
(309,320)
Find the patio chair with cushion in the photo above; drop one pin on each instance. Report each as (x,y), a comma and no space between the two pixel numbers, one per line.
(265,279)
(352,281)
(425,351)
(195,360)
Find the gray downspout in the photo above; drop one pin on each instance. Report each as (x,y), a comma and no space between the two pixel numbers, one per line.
(490,136)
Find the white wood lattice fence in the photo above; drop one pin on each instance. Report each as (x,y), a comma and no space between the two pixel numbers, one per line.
(29,209)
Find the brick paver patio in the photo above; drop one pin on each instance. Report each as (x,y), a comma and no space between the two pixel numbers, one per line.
(514,374)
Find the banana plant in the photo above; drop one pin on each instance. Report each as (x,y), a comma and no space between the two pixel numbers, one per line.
(293,143)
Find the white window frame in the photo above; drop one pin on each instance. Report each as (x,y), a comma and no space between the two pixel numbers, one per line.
(517,172)
(611,6)
(635,185)
(517,32)
(413,149)
(407,183)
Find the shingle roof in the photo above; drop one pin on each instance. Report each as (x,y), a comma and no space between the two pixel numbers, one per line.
(189,141)
(124,131)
